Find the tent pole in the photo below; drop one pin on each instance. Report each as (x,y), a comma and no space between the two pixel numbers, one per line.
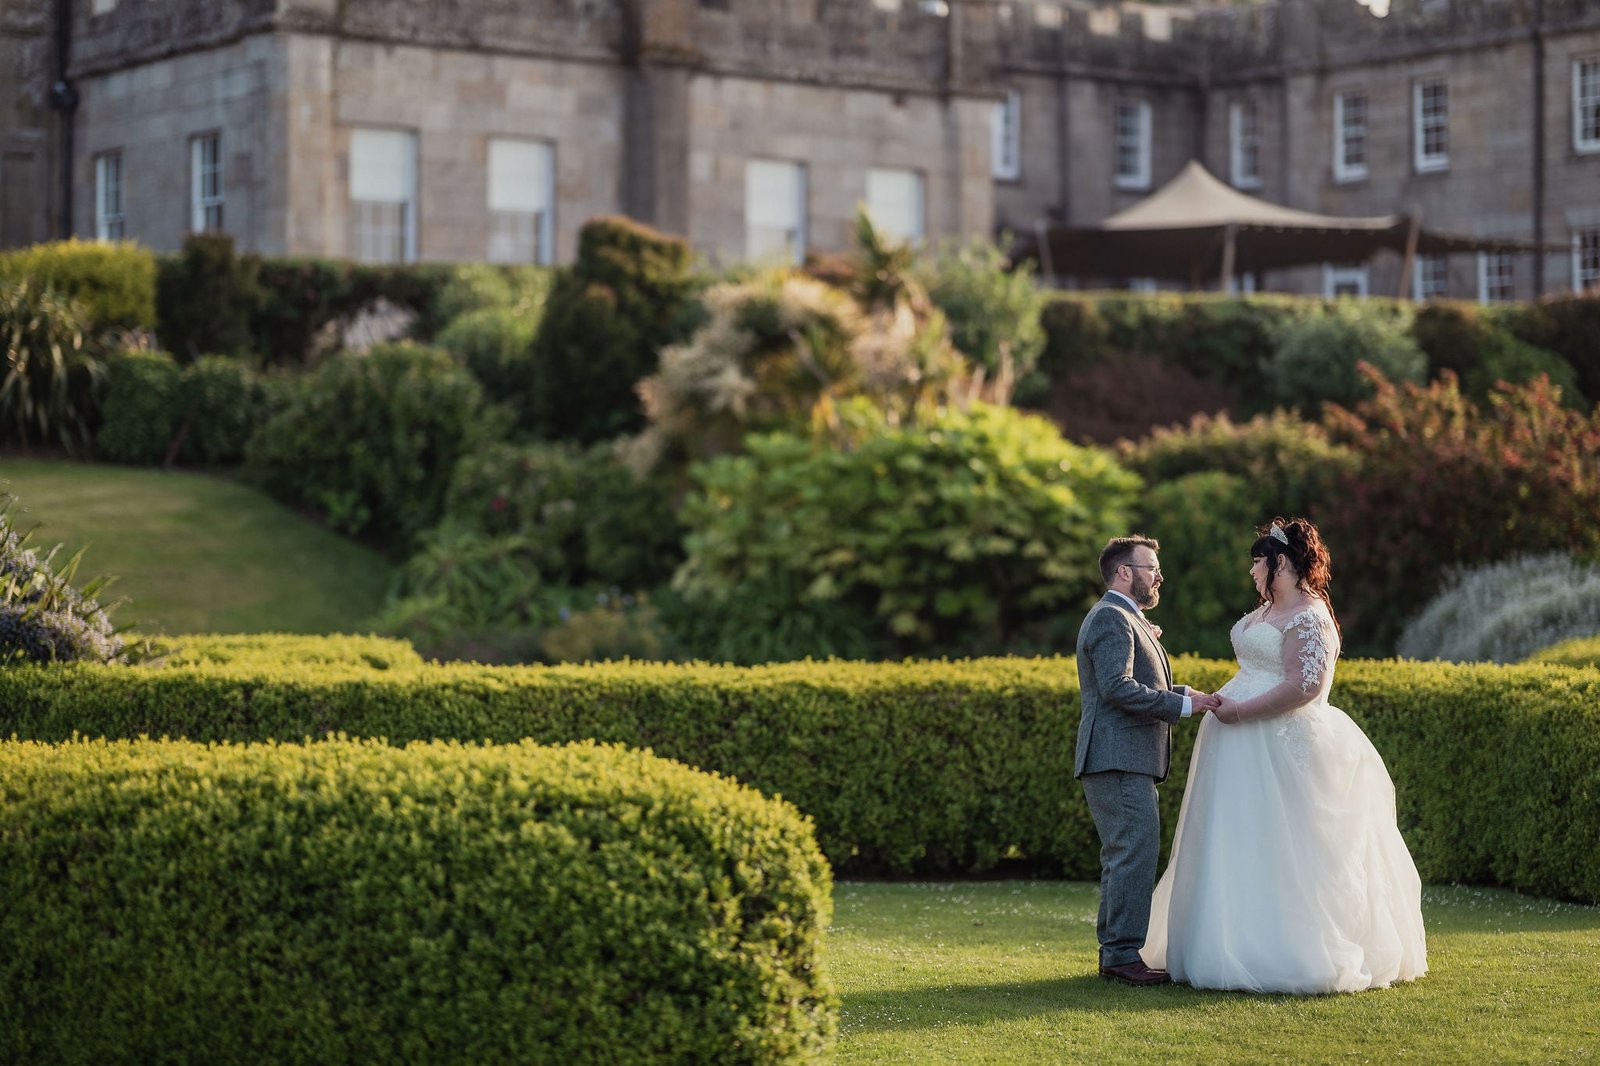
(1410,257)
(1228,243)
(1047,268)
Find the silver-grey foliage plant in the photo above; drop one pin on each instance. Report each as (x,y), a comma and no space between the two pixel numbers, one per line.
(1505,611)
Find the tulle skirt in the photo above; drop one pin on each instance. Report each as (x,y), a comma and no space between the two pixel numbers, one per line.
(1288,873)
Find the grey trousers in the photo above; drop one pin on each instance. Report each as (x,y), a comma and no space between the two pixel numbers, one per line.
(1126,817)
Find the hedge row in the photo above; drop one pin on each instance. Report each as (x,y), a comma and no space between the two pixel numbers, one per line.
(923,767)
(350,901)
(1580,651)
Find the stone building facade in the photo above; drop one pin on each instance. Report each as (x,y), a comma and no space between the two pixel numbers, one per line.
(473,129)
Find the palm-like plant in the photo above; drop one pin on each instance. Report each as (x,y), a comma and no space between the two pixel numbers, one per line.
(52,375)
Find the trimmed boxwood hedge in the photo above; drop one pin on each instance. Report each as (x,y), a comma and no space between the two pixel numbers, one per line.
(916,767)
(1579,651)
(350,901)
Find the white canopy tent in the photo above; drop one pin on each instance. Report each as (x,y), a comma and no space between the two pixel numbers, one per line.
(1195,228)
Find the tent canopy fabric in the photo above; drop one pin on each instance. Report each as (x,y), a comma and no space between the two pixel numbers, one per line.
(1195,228)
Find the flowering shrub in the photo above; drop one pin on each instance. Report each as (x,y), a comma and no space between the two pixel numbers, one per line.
(1444,483)
(1503,612)
(43,618)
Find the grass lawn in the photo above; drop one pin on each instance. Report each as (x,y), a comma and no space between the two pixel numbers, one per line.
(197,554)
(1005,973)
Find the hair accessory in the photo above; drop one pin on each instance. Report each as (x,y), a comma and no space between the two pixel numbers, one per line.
(1277,534)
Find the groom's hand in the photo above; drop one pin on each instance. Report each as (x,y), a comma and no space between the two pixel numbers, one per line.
(1203,701)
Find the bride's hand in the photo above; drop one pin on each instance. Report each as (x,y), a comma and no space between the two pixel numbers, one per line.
(1226,710)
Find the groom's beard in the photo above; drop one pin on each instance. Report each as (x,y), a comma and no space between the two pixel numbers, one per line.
(1145,594)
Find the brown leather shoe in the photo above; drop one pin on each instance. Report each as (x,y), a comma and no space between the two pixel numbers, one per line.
(1135,973)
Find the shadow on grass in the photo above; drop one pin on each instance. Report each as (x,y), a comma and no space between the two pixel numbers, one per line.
(886,1010)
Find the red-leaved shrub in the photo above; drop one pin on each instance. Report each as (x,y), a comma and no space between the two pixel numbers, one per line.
(1443,482)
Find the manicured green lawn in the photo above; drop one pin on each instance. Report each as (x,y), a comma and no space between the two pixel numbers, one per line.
(1005,973)
(197,554)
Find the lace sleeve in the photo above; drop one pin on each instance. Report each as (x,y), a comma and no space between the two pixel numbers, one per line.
(1310,646)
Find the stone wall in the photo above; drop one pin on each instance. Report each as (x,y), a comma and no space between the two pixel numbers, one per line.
(653,105)
(27,125)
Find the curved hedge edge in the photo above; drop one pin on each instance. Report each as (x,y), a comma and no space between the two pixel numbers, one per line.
(352,901)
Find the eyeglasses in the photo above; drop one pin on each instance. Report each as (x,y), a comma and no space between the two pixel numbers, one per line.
(1156,567)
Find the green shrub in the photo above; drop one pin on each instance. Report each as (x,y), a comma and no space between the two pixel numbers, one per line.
(202,413)
(496,343)
(1442,483)
(1316,356)
(464,583)
(619,627)
(1458,338)
(44,617)
(144,394)
(1289,465)
(113,284)
(955,534)
(370,441)
(223,401)
(914,767)
(1506,611)
(771,620)
(1206,523)
(992,309)
(1076,335)
(608,316)
(352,902)
(588,520)
(1580,651)
(207,297)
(53,372)
(1569,326)
(482,286)
(1224,340)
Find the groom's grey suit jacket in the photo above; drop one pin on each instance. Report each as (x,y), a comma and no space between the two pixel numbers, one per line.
(1129,701)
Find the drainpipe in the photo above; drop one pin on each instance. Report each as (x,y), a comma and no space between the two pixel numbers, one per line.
(64,98)
(1538,146)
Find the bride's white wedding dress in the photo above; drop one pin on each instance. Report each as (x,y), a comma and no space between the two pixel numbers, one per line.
(1288,873)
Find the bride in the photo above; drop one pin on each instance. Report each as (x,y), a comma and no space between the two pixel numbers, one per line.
(1288,873)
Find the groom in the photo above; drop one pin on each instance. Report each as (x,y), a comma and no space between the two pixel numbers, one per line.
(1124,747)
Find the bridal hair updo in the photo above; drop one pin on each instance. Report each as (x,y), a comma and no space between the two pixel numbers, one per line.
(1305,552)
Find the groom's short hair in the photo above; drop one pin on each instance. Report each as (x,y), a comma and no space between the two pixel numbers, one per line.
(1119,550)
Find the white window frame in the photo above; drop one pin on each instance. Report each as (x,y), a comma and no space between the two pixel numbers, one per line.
(757,207)
(110,224)
(521,202)
(1334,276)
(1244,143)
(396,186)
(1424,122)
(1344,133)
(1139,150)
(1244,284)
(880,179)
(1496,269)
(205,183)
(1586,105)
(1586,259)
(1006,138)
(1143,285)
(1421,289)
